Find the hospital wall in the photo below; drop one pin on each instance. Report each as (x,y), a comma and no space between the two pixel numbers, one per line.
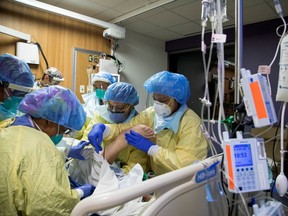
(143,57)
(57,35)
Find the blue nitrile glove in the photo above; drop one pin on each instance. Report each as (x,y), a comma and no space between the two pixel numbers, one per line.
(87,189)
(75,151)
(96,136)
(138,141)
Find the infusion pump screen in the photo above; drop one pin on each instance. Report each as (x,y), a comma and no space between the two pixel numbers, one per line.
(242,155)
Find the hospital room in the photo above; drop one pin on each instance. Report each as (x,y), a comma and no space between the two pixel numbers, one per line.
(144,107)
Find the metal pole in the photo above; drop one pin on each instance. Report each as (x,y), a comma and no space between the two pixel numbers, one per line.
(238,47)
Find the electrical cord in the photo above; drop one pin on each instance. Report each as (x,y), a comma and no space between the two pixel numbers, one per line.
(42,53)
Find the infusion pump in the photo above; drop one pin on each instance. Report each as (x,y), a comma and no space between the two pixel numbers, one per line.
(245,163)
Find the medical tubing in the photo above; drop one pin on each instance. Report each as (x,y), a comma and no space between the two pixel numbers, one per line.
(202,111)
(239,192)
(220,106)
(215,103)
(257,135)
(273,138)
(276,52)
(282,151)
(204,12)
(221,75)
(203,48)
(278,7)
(206,98)
(276,132)
(275,143)
(213,137)
(283,35)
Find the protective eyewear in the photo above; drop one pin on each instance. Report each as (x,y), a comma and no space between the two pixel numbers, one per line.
(64,130)
(117,108)
(67,131)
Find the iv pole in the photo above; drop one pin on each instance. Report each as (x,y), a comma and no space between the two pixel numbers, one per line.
(238,47)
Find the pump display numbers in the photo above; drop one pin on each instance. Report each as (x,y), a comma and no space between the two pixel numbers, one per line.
(242,155)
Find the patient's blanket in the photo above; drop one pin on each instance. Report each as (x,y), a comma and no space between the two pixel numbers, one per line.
(97,171)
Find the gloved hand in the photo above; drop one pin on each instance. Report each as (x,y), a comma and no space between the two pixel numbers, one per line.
(138,141)
(87,189)
(75,151)
(96,136)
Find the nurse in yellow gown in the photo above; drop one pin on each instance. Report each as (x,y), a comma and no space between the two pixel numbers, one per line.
(33,178)
(179,137)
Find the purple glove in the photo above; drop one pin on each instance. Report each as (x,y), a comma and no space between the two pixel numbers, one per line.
(75,151)
(138,141)
(87,189)
(96,136)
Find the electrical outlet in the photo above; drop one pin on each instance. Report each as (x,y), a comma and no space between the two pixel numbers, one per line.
(89,88)
(82,89)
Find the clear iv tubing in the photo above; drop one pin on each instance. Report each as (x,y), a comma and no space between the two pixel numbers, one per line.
(206,96)
(242,198)
(220,55)
(277,49)
(282,138)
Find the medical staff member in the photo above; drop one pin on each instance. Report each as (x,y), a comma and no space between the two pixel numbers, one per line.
(120,100)
(16,80)
(179,138)
(33,179)
(92,100)
(51,76)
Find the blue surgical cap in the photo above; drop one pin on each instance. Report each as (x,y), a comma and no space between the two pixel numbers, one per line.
(14,70)
(171,84)
(104,77)
(56,104)
(122,92)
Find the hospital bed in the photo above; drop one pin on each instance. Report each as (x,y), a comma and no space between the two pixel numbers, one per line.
(195,189)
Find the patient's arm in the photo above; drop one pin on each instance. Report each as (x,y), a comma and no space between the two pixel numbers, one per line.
(111,152)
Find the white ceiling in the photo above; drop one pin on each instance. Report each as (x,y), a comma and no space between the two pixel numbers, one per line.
(174,20)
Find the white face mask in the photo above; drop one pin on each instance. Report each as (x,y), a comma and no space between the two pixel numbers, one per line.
(162,109)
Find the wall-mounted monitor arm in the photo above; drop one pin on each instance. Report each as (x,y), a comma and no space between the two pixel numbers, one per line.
(14,33)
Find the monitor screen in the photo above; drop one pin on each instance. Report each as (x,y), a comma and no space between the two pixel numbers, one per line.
(242,155)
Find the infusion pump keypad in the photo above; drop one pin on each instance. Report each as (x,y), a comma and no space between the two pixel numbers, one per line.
(245,178)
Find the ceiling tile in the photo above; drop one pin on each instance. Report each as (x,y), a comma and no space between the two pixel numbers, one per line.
(164,35)
(124,23)
(186,11)
(142,27)
(151,12)
(85,7)
(106,15)
(264,12)
(131,5)
(108,3)
(178,3)
(185,29)
(166,19)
